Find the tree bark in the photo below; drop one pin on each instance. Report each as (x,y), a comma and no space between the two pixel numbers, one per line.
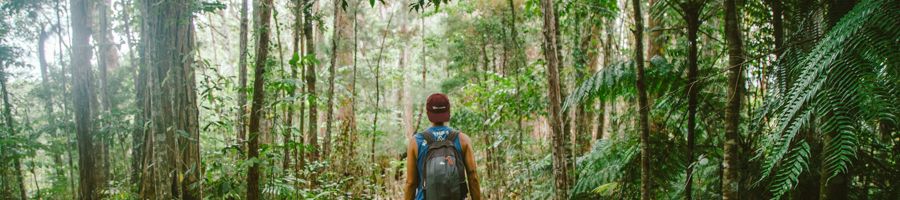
(259,94)
(692,10)
(732,161)
(171,165)
(313,138)
(339,56)
(643,105)
(298,54)
(551,54)
(585,115)
(242,77)
(83,97)
(107,59)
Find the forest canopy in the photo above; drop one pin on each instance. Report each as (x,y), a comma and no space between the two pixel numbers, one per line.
(569,99)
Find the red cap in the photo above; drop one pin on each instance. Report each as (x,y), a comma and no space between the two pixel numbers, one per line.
(438,108)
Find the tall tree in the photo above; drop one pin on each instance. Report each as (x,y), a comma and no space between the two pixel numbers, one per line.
(297,62)
(137,135)
(339,57)
(242,77)
(643,105)
(692,10)
(107,55)
(11,128)
(107,60)
(731,160)
(83,97)
(558,136)
(310,61)
(264,10)
(171,166)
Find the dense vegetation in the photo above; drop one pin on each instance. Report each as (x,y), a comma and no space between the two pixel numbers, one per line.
(573,99)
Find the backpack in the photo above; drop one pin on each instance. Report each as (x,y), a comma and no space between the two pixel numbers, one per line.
(444,171)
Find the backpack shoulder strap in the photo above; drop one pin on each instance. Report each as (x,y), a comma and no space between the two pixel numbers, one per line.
(429,137)
(453,135)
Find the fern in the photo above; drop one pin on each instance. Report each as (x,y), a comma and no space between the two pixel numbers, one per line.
(617,80)
(830,85)
(787,176)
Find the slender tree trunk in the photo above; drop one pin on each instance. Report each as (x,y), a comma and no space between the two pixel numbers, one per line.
(107,59)
(643,105)
(10,126)
(62,50)
(47,96)
(732,161)
(242,77)
(295,59)
(551,53)
(259,94)
(353,94)
(691,15)
(378,92)
(339,56)
(585,117)
(83,95)
(137,135)
(518,63)
(311,79)
(777,7)
(298,59)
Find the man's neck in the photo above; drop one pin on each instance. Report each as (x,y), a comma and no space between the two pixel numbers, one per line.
(438,124)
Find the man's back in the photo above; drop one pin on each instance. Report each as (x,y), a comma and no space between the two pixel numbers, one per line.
(443,168)
(417,148)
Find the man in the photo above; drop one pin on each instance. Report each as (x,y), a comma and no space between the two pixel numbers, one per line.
(431,168)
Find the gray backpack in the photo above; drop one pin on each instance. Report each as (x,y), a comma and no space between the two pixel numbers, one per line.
(444,175)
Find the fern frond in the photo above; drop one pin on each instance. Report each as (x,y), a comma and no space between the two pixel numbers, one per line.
(788,175)
(825,69)
(617,80)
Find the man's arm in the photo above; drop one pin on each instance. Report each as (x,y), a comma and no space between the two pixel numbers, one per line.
(409,191)
(471,167)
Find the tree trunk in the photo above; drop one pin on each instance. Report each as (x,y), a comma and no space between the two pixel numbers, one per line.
(518,63)
(294,63)
(47,95)
(83,97)
(313,138)
(643,106)
(298,59)
(654,38)
(551,53)
(171,165)
(339,57)
(732,161)
(107,59)
(259,94)
(692,10)
(378,90)
(242,77)
(10,126)
(137,135)
(585,115)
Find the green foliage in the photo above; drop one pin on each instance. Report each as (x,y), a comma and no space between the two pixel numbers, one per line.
(834,78)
